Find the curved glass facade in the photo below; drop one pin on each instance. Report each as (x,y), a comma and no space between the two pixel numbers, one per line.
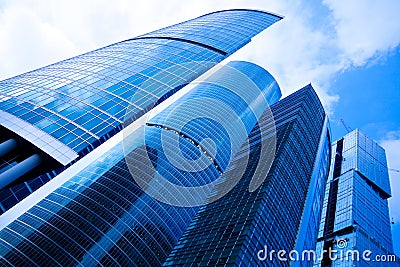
(101,216)
(231,30)
(66,109)
(80,100)
(212,110)
(232,230)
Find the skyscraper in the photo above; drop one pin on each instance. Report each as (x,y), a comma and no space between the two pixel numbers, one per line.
(215,178)
(355,217)
(52,117)
(242,227)
(100,215)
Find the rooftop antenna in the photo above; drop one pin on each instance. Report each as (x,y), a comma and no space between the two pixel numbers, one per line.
(348,129)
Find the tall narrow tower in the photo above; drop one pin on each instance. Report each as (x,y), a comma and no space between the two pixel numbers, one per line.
(355,217)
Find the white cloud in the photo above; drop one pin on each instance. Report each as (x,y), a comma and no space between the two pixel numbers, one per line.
(296,54)
(295,51)
(29,42)
(365,28)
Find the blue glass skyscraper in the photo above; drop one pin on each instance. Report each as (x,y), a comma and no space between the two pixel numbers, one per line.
(214,178)
(101,215)
(94,212)
(52,117)
(355,216)
(242,227)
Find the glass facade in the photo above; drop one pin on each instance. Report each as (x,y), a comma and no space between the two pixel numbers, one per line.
(232,230)
(64,110)
(307,233)
(209,124)
(100,216)
(355,214)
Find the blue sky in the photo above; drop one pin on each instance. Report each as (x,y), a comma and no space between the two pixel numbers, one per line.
(369,100)
(348,50)
(375,110)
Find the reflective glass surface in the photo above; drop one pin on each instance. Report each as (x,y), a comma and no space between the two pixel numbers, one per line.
(355,208)
(80,100)
(232,29)
(75,105)
(231,231)
(101,216)
(308,230)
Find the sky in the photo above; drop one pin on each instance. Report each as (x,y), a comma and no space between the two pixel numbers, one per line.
(348,50)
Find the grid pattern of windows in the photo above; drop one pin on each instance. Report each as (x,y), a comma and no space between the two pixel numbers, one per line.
(79,100)
(361,215)
(98,216)
(230,231)
(307,233)
(101,216)
(204,120)
(82,101)
(365,155)
(231,30)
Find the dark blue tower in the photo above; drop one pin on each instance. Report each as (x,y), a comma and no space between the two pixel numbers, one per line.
(242,227)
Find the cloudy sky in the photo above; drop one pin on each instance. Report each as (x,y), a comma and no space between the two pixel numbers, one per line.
(348,50)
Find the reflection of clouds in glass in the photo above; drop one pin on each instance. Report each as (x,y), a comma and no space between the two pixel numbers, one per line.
(221,109)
